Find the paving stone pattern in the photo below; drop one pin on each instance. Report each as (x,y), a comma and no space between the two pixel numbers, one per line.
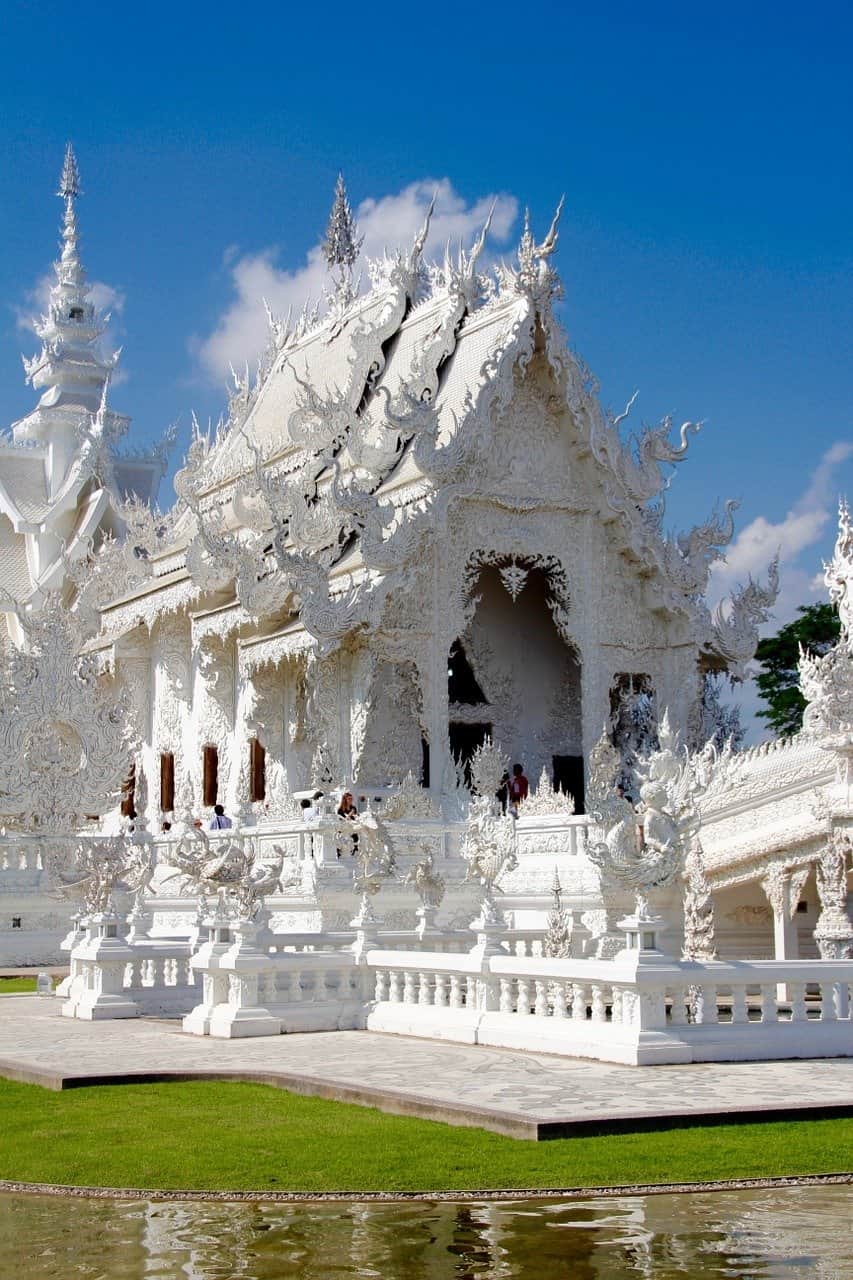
(528,1094)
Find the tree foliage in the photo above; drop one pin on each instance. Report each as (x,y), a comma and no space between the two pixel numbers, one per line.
(817,628)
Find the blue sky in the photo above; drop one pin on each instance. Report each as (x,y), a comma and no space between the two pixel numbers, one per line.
(705,153)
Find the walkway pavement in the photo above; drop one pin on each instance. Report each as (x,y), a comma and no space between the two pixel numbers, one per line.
(528,1095)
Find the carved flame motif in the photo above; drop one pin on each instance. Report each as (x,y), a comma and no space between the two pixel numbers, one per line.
(65,737)
(514,578)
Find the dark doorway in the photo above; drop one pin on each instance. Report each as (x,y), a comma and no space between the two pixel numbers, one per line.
(568,778)
(462,684)
(464,741)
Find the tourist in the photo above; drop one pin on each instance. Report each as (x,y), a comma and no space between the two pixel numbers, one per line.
(502,793)
(519,789)
(220,820)
(347,809)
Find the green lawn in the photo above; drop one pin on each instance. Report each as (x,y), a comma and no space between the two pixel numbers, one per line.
(11,986)
(245,1136)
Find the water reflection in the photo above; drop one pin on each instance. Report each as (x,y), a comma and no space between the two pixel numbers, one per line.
(786,1233)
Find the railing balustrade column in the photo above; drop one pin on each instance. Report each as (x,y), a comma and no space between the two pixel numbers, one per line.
(827,1002)
(706,1004)
(579,1001)
(769,1010)
(599,1012)
(424,988)
(440,998)
(133,975)
(798,1001)
(841,999)
(455,991)
(616,1009)
(558,999)
(740,1013)
(523,1005)
(540,1007)
(678,1010)
(396,990)
(409,996)
(381,990)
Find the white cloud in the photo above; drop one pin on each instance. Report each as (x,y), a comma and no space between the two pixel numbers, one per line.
(387,223)
(799,538)
(801,531)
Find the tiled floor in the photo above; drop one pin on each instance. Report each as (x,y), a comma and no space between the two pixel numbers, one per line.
(492,1087)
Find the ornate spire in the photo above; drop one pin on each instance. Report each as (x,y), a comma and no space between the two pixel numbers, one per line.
(341,247)
(71,370)
(342,243)
(69,181)
(69,269)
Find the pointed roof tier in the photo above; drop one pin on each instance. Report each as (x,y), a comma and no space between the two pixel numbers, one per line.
(438,396)
(71,370)
(60,480)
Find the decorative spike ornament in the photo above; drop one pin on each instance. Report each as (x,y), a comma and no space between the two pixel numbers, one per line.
(342,243)
(69,181)
(557,943)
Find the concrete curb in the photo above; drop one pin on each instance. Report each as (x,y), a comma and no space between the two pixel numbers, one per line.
(8,1187)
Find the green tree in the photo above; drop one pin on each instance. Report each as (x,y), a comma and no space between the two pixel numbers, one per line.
(817,628)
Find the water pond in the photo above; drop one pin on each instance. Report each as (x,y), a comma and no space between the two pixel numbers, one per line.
(789,1232)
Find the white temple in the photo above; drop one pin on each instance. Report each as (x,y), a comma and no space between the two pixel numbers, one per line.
(416,533)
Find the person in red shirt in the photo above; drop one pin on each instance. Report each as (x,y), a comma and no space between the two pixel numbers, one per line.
(519,789)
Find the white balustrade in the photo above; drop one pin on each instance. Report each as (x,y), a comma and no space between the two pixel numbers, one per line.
(639,1008)
(622,1010)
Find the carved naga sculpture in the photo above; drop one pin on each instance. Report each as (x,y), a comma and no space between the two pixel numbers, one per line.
(375,859)
(489,843)
(670,784)
(232,869)
(735,633)
(100,868)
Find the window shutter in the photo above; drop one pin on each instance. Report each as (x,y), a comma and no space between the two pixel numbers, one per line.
(167,782)
(210,785)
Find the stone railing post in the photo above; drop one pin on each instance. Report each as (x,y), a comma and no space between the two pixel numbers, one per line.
(102,956)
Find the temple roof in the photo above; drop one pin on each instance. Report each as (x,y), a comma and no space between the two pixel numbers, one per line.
(357,418)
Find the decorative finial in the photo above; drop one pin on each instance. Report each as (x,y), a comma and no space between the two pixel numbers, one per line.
(69,182)
(535,276)
(342,242)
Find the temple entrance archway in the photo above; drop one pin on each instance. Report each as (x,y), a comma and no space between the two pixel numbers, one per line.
(512,674)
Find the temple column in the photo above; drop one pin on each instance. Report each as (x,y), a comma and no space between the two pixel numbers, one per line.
(834,929)
(213,714)
(436,704)
(782,886)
